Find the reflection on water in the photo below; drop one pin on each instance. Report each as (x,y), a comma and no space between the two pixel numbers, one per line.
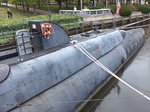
(123,99)
(118,89)
(117,97)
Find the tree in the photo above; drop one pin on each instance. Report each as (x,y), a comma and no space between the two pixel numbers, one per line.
(66,3)
(14,2)
(148,1)
(4,1)
(79,4)
(59,3)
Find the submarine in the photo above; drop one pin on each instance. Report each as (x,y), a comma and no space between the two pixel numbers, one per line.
(49,74)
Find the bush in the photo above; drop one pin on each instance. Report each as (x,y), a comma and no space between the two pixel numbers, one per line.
(144,9)
(113,9)
(133,7)
(22,23)
(97,7)
(125,11)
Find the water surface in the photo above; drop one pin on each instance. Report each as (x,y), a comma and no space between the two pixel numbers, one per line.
(121,98)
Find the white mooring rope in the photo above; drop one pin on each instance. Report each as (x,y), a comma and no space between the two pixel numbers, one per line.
(84,51)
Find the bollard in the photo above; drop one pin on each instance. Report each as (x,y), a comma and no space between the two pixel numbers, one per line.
(82,27)
(114,24)
(102,24)
(122,21)
(76,29)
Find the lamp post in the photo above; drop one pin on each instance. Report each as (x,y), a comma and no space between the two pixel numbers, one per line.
(106,3)
(81,4)
(48,10)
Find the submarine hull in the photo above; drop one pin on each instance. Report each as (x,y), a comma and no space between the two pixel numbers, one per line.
(62,80)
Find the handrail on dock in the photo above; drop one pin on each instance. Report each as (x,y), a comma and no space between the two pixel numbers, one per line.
(131,24)
(87,12)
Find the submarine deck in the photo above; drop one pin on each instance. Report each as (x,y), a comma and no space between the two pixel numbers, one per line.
(78,37)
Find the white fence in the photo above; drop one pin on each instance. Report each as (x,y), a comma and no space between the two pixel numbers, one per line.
(87,12)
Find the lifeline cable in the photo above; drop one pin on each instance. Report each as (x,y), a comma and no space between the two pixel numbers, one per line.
(84,51)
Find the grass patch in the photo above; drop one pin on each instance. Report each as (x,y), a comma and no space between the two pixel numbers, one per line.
(4,41)
(125,11)
(17,13)
(97,7)
(55,8)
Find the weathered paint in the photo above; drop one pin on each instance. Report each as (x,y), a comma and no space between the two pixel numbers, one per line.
(57,82)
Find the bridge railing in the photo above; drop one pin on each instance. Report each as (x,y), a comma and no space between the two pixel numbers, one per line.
(87,12)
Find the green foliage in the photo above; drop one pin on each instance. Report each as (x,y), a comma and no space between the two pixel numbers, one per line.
(144,9)
(6,37)
(22,23)
(55,8)
(7,25)
(4,41)
(113,8)
(97,7)
(133,7)
(17,13)
(125,11)
(5,1)
(148,1)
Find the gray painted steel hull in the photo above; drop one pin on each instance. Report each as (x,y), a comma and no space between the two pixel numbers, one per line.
(58,82)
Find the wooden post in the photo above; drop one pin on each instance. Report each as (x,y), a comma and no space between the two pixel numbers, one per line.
(143,18)
(91,22)
(130,19)
(82,27)
(102,25)
(122,21)
(137,20)
(149,17)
